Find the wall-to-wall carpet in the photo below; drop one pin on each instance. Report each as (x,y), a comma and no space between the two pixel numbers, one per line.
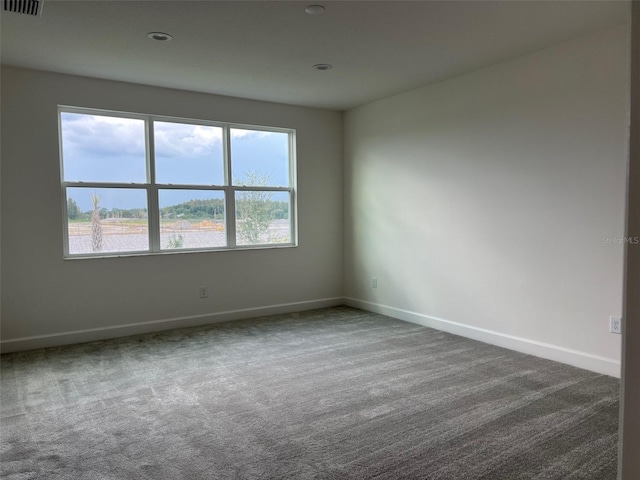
(335,393)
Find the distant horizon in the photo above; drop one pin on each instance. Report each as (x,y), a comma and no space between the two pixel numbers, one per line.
(276,197)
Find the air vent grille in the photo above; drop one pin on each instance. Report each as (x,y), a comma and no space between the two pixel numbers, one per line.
(28,7)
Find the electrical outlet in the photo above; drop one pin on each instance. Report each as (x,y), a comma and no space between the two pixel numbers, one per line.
(204,292)
(374,282)
(615,324)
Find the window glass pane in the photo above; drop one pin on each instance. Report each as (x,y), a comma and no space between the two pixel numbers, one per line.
(259,158)
(97,148)
(188,154)
(262,217)
(102,220)
(192,219)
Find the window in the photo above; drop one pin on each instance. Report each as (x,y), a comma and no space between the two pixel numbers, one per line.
(147,184)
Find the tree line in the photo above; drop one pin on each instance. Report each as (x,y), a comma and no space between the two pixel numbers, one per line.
(191,209)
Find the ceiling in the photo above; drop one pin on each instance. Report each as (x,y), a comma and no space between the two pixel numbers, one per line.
(265,49)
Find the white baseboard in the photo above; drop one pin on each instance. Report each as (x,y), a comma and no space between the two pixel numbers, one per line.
(595,363)
(89,335)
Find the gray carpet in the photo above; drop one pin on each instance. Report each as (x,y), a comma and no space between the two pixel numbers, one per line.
(328,394)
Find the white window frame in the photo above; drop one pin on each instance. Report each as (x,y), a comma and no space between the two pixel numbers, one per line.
(152,188)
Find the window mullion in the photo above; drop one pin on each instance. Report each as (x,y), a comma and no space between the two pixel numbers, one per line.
(230,196)
(153,212)
(65,220)
(293,191)
(261,188)
(293,217)
(102,185)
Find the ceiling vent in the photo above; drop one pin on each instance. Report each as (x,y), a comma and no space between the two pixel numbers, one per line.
(28,7)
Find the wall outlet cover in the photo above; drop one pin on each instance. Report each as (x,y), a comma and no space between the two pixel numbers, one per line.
(615,324)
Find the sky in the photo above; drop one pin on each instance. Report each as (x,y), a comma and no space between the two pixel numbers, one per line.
(99,148)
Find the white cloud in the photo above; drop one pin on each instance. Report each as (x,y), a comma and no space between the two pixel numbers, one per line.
(239,133)
(186,141)
(96,134)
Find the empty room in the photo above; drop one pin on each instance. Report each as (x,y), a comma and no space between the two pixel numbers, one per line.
(319,240)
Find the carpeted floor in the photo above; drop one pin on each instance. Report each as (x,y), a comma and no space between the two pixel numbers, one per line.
(329,394)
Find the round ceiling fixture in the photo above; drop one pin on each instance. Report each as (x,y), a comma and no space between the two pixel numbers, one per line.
(160,36)
(322,66)
(314,9)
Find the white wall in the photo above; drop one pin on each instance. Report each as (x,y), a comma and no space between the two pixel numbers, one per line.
(480,203)
(43,294)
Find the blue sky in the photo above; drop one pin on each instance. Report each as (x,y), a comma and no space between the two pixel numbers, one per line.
(108,149)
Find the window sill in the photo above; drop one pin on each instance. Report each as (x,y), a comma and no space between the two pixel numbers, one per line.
(179,252)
